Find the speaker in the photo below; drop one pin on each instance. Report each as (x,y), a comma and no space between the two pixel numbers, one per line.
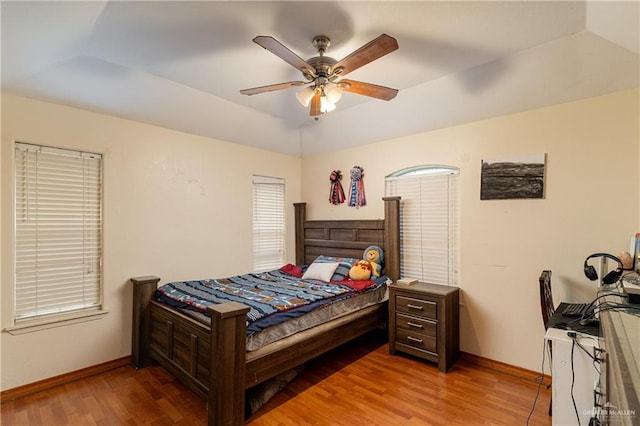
(611,277)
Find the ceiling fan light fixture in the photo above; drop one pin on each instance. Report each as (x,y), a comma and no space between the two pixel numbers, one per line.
(325,105)
(333,92)
(305,95)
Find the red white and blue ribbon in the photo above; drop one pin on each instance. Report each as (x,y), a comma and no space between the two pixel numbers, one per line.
(336,194)
(356,195)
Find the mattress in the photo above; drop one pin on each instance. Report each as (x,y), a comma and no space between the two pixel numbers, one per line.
(286,304)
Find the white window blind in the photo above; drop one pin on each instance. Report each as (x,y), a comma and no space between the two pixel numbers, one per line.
(429,223)
(58,225)
(268,223)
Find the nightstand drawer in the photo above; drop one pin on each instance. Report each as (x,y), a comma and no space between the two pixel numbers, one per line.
(416,325)
(417,340)
(422,308)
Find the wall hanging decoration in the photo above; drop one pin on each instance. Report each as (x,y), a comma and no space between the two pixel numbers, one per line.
(356,194)
(336,194)
(512,178)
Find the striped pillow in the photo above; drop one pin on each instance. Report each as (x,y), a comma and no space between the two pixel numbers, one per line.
(344,264)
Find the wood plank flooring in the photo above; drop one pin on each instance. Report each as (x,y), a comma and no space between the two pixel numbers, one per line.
(357,384)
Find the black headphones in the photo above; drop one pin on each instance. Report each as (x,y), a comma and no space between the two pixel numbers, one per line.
(611,277)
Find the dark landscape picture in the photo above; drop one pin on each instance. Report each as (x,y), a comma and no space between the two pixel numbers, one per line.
(512,178)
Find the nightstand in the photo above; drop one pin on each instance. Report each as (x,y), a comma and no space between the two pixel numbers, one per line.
(424,321)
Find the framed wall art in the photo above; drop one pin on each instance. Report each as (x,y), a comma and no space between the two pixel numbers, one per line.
(513,178)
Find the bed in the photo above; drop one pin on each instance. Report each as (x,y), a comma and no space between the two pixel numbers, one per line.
(213,360)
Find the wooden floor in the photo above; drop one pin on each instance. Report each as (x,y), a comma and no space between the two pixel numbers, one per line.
(357,384)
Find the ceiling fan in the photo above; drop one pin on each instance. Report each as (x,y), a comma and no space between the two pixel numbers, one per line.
(321,72)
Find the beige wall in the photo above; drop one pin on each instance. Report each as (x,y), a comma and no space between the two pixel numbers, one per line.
(175,205)
(591,204)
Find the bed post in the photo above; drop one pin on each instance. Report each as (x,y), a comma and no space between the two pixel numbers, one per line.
(143,289)
(227,372)
(301,215)
(392,236)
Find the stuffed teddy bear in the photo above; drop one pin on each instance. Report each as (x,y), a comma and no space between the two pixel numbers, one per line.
(360,271)
(374,255)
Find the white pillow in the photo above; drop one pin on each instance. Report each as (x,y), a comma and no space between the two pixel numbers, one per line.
(320,271)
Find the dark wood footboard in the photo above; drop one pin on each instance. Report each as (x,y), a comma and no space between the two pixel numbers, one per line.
(209,360)
(213,361)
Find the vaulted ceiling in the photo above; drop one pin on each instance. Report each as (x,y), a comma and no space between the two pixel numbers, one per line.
(182,64)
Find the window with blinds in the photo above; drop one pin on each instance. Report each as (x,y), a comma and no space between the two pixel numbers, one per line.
(58,229)
(268,223)
(429,222)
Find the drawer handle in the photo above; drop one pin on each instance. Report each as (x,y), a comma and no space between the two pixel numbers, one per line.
(414,339)
(418,307)
(413,324)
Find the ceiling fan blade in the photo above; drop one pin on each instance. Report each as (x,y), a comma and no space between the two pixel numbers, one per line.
(280,50)
(272,87)
(371,51)
(368,89)
(315,105)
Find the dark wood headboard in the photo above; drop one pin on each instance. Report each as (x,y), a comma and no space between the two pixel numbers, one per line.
(349,238)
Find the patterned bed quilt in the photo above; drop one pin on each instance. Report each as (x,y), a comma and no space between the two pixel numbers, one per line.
(273,297)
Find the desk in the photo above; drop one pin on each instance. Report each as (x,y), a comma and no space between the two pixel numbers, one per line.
(619,381)
(574,376)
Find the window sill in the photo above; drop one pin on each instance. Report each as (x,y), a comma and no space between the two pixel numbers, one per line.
(54,322)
